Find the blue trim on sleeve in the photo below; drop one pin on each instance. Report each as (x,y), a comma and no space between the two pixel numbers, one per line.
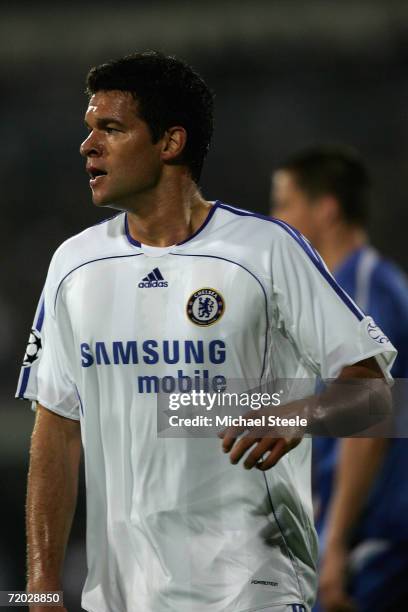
(310,252)
(21,389)
(41,314)
(24,383)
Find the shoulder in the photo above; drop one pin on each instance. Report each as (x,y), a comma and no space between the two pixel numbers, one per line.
(266,244)
(244,217)
(103,240)
(94,239)
(258,228)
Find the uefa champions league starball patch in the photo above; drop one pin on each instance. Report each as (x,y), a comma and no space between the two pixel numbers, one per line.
(376,332)
(205,307)
(33,348)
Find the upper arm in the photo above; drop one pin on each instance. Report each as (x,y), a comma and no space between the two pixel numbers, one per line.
(47,375)
(328,329)
(378,398)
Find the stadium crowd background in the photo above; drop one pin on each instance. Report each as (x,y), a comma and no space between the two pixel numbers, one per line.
(286,75)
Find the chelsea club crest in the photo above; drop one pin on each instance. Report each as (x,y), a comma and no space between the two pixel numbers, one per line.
(205,306)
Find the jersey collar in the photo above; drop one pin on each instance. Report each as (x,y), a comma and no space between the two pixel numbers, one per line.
(155,251)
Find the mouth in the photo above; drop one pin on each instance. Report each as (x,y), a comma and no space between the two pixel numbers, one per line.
(96,175)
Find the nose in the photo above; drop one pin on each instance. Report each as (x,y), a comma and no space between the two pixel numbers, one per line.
(90,147)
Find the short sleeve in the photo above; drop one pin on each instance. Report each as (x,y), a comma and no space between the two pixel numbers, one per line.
(45,376)
(320,319)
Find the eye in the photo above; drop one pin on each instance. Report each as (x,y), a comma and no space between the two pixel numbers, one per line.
(110,130)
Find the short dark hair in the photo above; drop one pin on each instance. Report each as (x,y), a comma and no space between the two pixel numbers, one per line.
(168,92)
(336,170)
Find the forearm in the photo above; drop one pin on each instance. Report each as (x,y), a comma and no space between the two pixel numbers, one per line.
(355,402)
(359,462)
(51,497)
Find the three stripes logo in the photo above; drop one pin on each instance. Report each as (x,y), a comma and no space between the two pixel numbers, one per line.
(153,279)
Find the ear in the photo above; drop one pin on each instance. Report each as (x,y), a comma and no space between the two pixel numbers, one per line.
(174,142)
(329,209)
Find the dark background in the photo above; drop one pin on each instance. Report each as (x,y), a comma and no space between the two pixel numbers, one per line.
(286,74)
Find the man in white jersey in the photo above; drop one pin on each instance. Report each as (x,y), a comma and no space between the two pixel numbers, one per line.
(171,289)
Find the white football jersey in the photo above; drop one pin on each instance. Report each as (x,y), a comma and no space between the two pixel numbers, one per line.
(172,526)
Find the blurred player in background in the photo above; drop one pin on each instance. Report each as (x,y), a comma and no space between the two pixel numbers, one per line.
(361,484)
(172,288)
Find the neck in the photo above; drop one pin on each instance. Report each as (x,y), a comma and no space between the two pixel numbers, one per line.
(339,243)
(168,214)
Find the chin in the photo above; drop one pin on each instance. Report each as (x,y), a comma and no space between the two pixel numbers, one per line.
(99,200)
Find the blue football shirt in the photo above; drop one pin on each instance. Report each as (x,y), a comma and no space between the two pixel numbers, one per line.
(380,288)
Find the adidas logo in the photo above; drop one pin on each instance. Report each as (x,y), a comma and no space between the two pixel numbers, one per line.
(153,279)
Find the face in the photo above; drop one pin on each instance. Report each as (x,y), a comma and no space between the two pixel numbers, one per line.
(121,159)
(292,205)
